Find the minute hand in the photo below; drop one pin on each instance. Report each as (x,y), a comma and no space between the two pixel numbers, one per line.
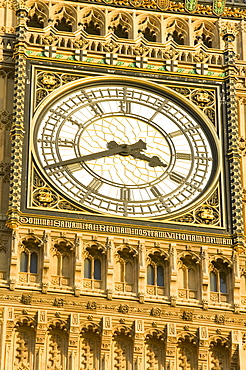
(124,148)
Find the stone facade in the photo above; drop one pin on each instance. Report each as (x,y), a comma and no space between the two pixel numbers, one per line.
(86,291)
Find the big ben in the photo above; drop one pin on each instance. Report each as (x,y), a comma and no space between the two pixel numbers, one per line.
(122,177)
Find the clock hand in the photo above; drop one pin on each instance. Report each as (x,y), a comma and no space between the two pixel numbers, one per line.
(114,149)
(153,161)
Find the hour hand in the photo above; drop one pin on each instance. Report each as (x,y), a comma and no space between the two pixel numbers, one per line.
(153,161)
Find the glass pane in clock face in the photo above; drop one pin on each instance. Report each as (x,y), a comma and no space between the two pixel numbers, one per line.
(124,150)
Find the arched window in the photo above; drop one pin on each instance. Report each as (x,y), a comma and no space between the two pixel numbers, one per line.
(156,274)
(150,275)
(34,263)
(97,269)
(87,268)
(188,277)
(24,262)
(125,270)
(219,278)
(93,267)
(160,275)
(29,259)
(61,266)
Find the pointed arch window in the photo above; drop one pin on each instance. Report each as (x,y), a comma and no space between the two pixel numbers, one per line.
(125,271)
(188,277)
(62,263)
(156,268)
(93,262)
(29,260)
(219,280)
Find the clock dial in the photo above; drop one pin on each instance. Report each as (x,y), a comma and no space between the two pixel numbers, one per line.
(124,150)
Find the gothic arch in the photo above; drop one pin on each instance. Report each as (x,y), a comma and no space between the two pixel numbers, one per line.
(93,20)
(24,340)
(206,32)
(219,356)
(64,17)
(56,348)
(150,27)
(188,275)
(122,348)
(121,23)
(89,350)
(38,14)
(177,29)
(125,268)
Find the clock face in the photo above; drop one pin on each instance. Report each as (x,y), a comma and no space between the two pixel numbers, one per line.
(122,148)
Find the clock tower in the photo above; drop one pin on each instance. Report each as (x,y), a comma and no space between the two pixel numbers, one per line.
(122,179)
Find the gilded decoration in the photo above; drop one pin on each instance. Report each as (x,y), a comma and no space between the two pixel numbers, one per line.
(49,81)
(204,99)
(208,213)
(44,196)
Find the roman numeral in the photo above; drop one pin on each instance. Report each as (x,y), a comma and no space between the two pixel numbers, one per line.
(176,133)
(125,194)
(95,185)
(185,156)
(156,192)
(174,176)
(66,142)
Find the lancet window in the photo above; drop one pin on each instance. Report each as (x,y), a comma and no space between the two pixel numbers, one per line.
(57,349)
(219,281)
(125,274)
(219,354)
(62,263)
(94,262)
(156,274)
(29,260)
(188,277)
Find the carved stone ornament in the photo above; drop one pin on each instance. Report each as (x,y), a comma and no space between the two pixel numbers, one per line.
(220,319)
(111,46)
(58,302)
(155,312)
(201,56)
(187,315)
(123,308)
(26,299)
(170,53)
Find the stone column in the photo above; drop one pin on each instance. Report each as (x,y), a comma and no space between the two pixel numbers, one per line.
(9,348)
(171,346)
(205,277)
(138,348)
(235,338)
(40,340)
(105,360)
(73,342)
(110,269)
(203,348)
(142,272)
(173,274)
(78,266)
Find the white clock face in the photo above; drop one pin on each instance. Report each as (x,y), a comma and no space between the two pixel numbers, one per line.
(124,149)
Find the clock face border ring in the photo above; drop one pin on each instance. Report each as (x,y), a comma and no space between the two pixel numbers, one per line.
(155,88)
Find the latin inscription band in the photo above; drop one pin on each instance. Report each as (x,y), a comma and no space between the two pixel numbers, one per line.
(125,230)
